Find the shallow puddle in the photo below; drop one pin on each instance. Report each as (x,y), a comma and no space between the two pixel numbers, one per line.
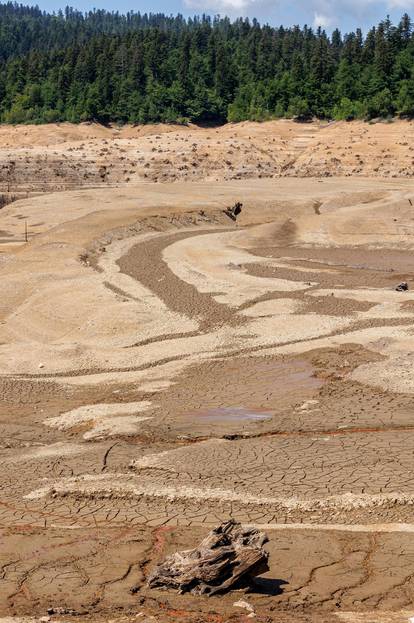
(244,394)
(234,414)
(284,376)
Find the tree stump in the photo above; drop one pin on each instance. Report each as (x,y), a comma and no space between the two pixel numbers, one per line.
(234,212)
(227,558)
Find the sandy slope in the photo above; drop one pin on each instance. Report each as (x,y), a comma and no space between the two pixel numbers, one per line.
(58,157)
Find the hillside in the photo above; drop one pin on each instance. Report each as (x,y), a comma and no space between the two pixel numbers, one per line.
(64,156)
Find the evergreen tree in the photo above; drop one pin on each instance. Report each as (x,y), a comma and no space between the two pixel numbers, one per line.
(143,68)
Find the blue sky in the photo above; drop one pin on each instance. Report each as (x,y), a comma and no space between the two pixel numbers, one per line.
(344,14)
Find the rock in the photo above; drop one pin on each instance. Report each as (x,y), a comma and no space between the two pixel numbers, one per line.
(134,589)
(229,556)
(402,287)
(59,610)
(243,604)
(41,365)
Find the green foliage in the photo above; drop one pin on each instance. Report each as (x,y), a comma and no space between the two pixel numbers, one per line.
(299,108)
(152,68)
(380,105)
(405,99)
(347,110)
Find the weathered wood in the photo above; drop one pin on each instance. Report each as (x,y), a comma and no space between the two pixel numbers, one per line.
(228,556)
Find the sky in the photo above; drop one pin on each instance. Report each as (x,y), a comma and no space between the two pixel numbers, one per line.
(330,14)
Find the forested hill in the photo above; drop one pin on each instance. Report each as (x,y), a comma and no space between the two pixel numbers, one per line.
(146,68)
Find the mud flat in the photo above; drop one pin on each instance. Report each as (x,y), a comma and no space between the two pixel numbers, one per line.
(163,369)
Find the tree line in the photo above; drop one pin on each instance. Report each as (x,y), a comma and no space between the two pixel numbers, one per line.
(104,66)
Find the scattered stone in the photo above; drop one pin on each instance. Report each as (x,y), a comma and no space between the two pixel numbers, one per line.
(228,557)
(59,610)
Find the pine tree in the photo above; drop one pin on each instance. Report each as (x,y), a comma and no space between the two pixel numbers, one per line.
(143,68)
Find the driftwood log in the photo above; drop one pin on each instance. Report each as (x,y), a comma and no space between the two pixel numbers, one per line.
(228,557)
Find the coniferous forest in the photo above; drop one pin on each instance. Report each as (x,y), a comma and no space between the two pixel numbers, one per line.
(138,68)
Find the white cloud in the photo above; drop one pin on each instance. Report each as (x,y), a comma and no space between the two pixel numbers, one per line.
(228,7)
(322,21)
(325,13)
(403,5)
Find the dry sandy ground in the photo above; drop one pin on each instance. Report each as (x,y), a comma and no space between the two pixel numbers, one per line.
(163,368)
(37,159)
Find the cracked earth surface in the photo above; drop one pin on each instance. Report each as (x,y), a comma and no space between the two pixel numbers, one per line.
(163,369)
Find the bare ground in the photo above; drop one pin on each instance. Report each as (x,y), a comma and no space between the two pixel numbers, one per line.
(38,159)
(163,369)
